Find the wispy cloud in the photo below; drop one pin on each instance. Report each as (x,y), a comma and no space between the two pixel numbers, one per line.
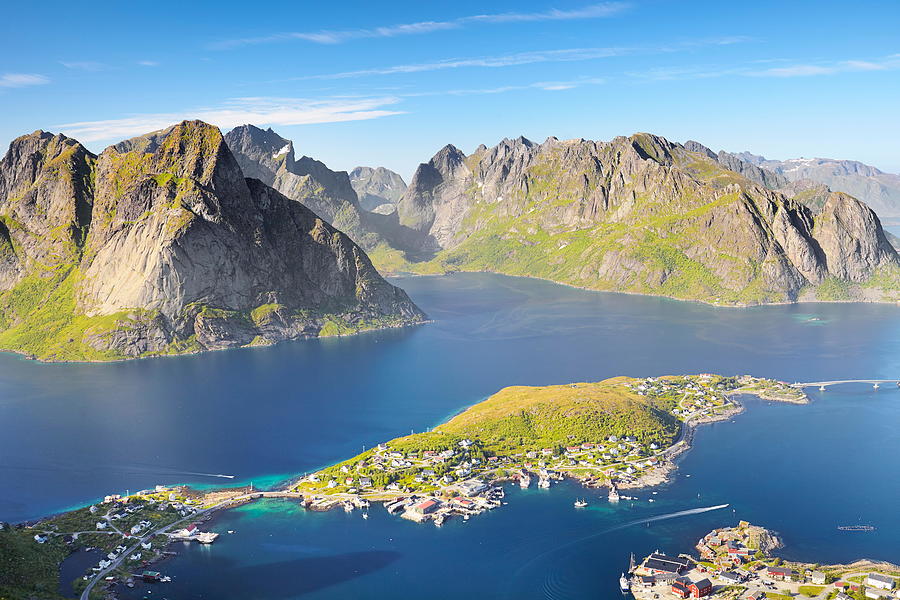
(237,111)
(148,63)
(548,86)
(833,68)
(525,58)
(84,65)
(782,70)
(18,80)
(593,11)
(506,60)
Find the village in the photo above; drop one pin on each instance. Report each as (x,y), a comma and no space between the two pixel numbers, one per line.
(435,480)
(736,563)
(126,534)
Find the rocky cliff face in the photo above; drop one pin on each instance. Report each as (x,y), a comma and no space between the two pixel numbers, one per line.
(378,189)
(639,214)
(160,245)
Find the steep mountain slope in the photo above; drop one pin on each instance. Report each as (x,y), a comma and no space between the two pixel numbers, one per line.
(878,189)
(160,245)
(265,155)
(641,214)
(378,189)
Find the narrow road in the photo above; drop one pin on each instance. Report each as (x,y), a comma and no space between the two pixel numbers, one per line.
(85,595)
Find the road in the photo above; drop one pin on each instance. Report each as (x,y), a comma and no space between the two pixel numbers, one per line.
(85,595)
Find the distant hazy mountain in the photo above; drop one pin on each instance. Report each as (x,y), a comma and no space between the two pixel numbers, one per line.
(265,155)
(376,187)
(876,188)
(642,214)
(161,246)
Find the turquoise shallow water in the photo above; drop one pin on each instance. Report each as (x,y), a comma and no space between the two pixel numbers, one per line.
(81,431)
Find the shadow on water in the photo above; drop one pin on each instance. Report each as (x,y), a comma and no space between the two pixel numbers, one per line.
(286,579)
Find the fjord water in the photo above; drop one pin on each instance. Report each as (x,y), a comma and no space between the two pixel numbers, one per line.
(75,432)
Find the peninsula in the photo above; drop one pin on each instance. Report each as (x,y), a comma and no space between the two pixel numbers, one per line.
(619,433)
(739,563)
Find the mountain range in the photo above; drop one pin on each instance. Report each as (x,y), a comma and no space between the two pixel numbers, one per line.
(643,214)
(185,240)
(161,245)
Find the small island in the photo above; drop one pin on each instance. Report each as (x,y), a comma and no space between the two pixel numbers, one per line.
(621,433)
(739,563)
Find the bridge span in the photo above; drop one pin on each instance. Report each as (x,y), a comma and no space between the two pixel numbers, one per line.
(822,385)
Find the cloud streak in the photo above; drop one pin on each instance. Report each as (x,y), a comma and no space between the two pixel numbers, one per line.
(84,65)
(524,58)
(593,11)
(237,111)
(19,80)
(844,66)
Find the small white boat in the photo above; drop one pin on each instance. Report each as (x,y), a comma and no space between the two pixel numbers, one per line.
(623,584)
(365,515)
(580,503)
(231,531)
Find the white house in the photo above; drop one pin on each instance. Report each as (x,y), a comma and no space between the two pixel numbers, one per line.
(101,524)
(880,581)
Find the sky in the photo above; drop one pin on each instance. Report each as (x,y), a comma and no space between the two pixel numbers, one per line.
(389,84)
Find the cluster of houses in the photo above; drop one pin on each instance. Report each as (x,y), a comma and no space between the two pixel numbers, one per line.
(696,396)
(432,470)
(876,586)
(673,571)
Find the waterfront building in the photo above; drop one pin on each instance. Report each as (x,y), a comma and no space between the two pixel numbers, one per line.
(880,581)
(817,577)
(426,507)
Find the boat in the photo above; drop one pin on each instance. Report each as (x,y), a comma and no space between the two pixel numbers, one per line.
(580,503)
(207,537)
(856,528)
(365,515)
(623,584)
(543,483)
(613,494)
(439,520)
(651,500)
(230,531)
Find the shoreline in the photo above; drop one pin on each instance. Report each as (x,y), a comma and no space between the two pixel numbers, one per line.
(399,274)
(23,355)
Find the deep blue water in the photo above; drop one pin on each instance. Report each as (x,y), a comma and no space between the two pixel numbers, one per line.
(75,432)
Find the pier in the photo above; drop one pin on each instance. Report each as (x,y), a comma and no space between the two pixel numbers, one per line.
(822,385)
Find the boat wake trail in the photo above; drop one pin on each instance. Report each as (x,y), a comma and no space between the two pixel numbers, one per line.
(554,586)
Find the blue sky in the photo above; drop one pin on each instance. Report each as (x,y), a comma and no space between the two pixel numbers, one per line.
(365,83)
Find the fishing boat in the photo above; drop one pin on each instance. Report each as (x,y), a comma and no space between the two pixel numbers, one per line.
(580,503)
(613,494)
(856,528)
(623,584)
(365,515)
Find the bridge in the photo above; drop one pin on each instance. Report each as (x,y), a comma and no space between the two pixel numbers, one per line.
(822,385)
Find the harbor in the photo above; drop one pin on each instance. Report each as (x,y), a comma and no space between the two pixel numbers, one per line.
(739,563)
